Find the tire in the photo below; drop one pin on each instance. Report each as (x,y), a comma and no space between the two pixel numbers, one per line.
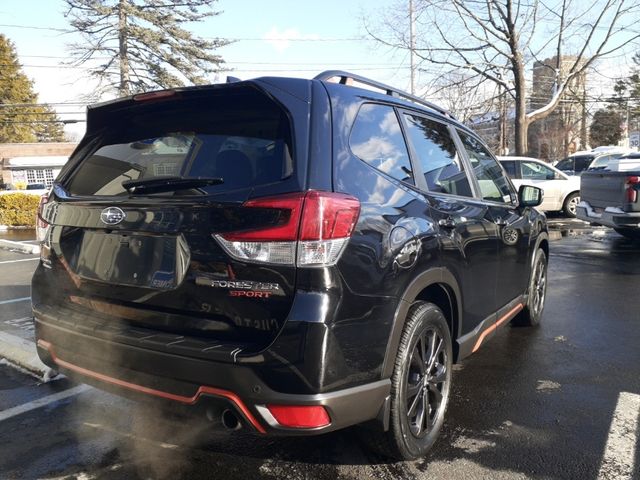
(412,434)
(630,233)
(569,208)
(536,293)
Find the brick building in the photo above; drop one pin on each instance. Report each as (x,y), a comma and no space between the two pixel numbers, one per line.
(32,163)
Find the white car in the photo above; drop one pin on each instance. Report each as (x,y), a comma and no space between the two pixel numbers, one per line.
(561,191)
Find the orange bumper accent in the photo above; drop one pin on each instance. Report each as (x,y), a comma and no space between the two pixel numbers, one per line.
(218,392)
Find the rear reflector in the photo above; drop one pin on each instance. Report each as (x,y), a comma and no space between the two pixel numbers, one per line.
(300,416)
(312,230)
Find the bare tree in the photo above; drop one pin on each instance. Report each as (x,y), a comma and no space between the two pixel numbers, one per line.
(136,45)
(463,95)
(498,40)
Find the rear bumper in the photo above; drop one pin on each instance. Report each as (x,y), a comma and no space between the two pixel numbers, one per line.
(610,217)
(198,385)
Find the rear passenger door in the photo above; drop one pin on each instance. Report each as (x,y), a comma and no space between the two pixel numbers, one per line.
(468,235)
(512,223)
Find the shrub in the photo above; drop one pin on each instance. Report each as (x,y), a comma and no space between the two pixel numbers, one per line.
(18,209)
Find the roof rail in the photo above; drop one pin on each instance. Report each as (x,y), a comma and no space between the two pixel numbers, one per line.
(388,90)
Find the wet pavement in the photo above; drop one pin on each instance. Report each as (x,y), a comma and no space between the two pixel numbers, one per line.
(532,403)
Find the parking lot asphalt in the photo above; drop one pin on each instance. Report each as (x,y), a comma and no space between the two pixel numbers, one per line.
(558,401)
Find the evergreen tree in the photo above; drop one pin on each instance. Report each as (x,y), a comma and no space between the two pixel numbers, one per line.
(626,97)
(138,45)
(21,118)
(606,127)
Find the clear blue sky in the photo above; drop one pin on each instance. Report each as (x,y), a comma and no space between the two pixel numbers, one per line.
(276,37)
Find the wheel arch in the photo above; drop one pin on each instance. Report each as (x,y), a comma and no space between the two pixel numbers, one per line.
(437,286)
(566,195)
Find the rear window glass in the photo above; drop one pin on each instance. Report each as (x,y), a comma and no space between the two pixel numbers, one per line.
(241,137)
(377,139)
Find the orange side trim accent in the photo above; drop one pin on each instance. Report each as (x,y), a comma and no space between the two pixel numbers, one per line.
(232,397)
(508,316)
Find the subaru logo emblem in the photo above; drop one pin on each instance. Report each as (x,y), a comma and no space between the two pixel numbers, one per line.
(112,215)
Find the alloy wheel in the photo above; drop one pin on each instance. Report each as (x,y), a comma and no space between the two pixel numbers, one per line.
(426,382)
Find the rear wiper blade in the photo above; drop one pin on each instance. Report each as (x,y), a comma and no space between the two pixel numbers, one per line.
(168,184)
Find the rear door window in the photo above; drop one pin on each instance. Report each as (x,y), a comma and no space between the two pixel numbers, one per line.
(242,138)
(377,139)
(439,160)
(536,171)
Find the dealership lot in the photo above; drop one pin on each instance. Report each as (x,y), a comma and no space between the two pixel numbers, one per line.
(560,401)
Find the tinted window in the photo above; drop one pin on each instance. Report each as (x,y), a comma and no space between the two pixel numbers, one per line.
(566,164)
(511,168)
(493,183)
(439,159)
(537,171)
(582,163)
(377,139)
(241,137)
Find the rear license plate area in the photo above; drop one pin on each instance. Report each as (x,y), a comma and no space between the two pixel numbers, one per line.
(128,259)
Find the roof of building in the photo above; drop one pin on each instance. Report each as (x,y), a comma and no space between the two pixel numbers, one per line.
(48,161)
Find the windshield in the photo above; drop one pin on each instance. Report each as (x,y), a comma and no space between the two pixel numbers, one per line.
(242,139)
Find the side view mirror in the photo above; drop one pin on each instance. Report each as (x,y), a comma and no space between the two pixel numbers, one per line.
(530,196)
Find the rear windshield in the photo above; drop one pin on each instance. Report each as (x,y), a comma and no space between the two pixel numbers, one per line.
(240,136)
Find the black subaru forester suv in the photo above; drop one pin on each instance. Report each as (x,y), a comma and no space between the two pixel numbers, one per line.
(292,256)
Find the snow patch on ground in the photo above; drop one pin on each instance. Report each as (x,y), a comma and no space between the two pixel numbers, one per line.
(547,386)
(472,445)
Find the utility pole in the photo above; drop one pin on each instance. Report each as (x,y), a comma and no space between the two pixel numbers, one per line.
(412,45)
(502,133)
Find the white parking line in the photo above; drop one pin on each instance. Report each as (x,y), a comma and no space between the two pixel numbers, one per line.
(15,300)
(41,402)
(21,260)
(619,453)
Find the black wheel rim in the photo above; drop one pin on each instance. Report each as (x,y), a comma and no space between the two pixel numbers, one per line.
(538,287)
(426,385)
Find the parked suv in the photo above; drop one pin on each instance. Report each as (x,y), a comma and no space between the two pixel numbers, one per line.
(285,255)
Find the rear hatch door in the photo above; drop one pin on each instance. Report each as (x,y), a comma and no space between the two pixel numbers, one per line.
(134,218)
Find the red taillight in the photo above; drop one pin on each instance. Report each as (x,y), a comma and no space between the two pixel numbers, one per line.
(287,227)
(328,216)
(41,224)
(632,189)
(312,230)
(300,416)
(44,199)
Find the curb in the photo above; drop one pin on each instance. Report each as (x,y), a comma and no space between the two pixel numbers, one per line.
(22,353)
(20,247)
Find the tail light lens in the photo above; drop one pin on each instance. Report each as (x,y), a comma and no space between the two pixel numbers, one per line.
(633,184)
(300,416)
(41,224)
(313,230)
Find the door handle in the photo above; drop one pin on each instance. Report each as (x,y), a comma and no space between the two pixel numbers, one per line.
(447,222)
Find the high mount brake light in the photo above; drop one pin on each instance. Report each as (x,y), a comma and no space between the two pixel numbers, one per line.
(159,95)
(312,230)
